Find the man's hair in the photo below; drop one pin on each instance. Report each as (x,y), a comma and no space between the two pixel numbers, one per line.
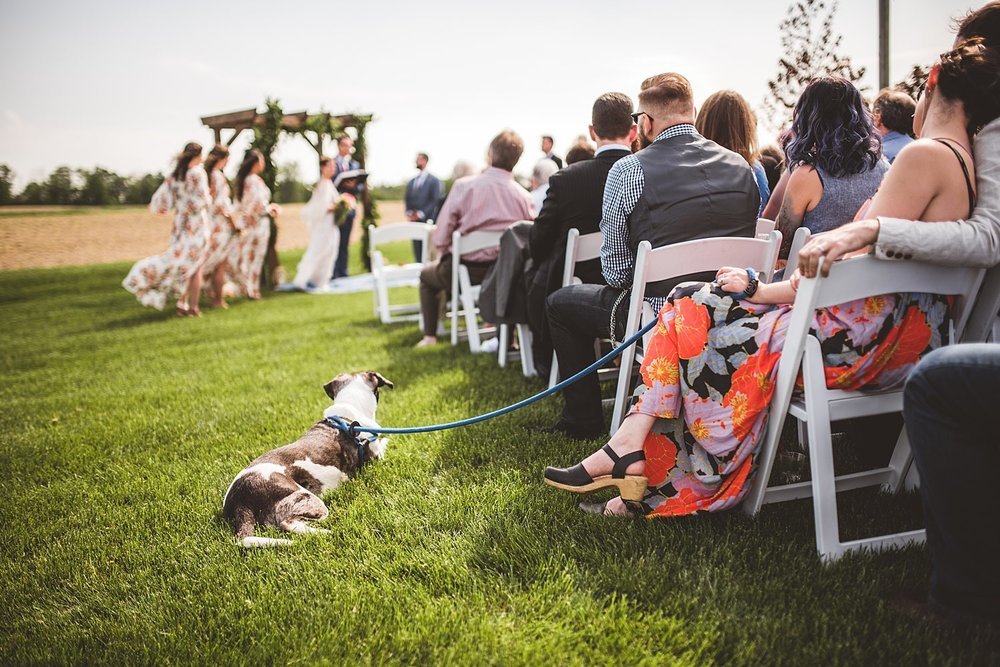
(505,150)
(895,110)
(424,156)
(612,116)
(343,137)
(544,168)
(546,137)
(323,161)
(983,22)
(667,94)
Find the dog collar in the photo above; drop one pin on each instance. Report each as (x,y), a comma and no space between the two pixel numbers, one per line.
(362,441)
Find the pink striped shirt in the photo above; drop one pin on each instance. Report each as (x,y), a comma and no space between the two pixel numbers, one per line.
(491,201)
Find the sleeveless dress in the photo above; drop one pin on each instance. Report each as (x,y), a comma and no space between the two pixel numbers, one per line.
(155,279)
(709,373)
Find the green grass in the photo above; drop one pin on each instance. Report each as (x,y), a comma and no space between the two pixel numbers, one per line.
(122,428)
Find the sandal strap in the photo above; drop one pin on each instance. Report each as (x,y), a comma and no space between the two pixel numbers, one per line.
(610,453)
(622,463)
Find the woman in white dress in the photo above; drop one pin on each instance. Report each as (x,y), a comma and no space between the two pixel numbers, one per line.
(177,272)
(223,234)
(316,267)
(253,206)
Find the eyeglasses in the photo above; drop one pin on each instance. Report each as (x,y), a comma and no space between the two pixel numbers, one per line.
(635,117)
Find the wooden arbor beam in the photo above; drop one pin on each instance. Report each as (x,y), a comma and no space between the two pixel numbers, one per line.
(246,119)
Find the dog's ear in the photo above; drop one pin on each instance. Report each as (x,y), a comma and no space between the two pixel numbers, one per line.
(333,387)
(376,380)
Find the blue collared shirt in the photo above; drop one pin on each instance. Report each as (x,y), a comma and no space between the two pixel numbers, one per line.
(621,193)
(892,143)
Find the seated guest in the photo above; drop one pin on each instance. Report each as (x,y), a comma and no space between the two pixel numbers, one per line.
(726,118)
(579,153)
(834,156)
(772,159)
(679,187)
(700,382)
(491,201)
(574,200)
(544,168)
(892,112)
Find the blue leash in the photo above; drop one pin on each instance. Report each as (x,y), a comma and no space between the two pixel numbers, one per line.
(353,429)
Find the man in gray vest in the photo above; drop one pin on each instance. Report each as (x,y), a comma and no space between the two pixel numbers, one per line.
(679,187)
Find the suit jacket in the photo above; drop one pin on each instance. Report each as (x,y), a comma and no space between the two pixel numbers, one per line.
(555,158)
(974,242)
(574,199)
(354,164)
(423,199)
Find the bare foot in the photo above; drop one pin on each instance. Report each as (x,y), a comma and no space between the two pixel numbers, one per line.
(629,438)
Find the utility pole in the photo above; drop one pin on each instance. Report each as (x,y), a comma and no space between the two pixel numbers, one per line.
(883,44)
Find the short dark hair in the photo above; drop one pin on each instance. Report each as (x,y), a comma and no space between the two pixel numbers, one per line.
(548,138)
(505,150)
(612,116)
(895,110)
(668,93)
(983,22)
(424,156)
(323,161)
(578,154)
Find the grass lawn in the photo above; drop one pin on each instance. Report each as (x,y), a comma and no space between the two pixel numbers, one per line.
(122,428)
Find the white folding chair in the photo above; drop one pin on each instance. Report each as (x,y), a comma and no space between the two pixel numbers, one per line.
(524,348)
(579,248)
(386,276)
(764,228)
(983,321)
(851,279)
(800,238)
(463,293)
(680,259)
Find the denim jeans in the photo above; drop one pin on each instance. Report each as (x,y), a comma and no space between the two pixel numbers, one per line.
(948,405)
(577,315)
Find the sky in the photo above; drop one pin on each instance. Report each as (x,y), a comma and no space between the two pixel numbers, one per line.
(122,84)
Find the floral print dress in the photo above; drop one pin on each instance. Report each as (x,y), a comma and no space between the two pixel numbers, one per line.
(221,237)
(247,256)
(709,374)
(155,279)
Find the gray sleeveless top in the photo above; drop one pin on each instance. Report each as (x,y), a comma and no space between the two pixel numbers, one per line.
(843,196)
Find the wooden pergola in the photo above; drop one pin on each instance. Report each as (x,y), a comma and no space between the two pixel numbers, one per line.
(246,119)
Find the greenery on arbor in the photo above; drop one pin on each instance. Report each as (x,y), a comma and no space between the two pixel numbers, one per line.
(810,49)
(266,137)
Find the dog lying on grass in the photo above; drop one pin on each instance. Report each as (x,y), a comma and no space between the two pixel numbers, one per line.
(282,488)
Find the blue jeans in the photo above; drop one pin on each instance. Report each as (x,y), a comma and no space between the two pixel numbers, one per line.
(340,266)
(948,405)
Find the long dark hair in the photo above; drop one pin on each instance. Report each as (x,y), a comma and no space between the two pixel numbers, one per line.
(832,129)
(971,75)
(252,157)
(218,153)
(190,152)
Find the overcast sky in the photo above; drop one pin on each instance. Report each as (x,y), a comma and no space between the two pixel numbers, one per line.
(122,84)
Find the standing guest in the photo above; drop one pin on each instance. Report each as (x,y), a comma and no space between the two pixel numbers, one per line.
(540,175)
(547,145)
(948,403)
(574,201)
(344,162)
(835,158)
(579,153)
(491,201)
(222,232)
(422,195)
(253,208)
(726,118)
(679,187)
(177,272)
(324,236)
(892,112)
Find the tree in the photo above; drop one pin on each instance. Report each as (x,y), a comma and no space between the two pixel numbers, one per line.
(914,82)
(811,49)
(140,190)
(61,187)
(101,187)
(6,184)
(289,188)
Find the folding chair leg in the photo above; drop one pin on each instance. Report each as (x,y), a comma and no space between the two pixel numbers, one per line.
(504,333)
(454,318)
(527,360)
(900,463)
(821,456)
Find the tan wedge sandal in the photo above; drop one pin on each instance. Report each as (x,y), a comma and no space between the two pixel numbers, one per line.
(578,480)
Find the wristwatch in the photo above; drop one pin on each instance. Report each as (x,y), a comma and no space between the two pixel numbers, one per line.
(752,284)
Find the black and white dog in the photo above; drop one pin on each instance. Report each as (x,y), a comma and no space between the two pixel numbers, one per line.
(283,487)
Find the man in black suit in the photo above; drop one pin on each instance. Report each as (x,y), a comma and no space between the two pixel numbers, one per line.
(547,144)
(344,162)
(574,200)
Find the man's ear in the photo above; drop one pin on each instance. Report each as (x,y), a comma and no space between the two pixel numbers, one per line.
(376,380)
(334,386)
(593,135)
(633,133)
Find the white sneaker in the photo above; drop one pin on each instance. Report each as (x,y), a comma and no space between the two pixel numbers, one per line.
(490,347)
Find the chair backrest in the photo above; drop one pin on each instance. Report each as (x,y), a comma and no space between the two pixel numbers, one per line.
(801,237)
(703,255)
(764,228)
(401,231)
(463,244)
(984,312)
(580,248)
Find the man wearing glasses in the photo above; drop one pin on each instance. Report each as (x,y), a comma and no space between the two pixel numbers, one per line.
(679,187)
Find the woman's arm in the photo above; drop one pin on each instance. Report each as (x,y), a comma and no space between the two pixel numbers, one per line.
(777,195)
(802,194)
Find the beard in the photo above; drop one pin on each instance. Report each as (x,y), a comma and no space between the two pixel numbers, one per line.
(643,139)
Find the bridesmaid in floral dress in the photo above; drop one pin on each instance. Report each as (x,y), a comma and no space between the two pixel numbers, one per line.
(709,371)
(253,205)
(177,272)
(223,234)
